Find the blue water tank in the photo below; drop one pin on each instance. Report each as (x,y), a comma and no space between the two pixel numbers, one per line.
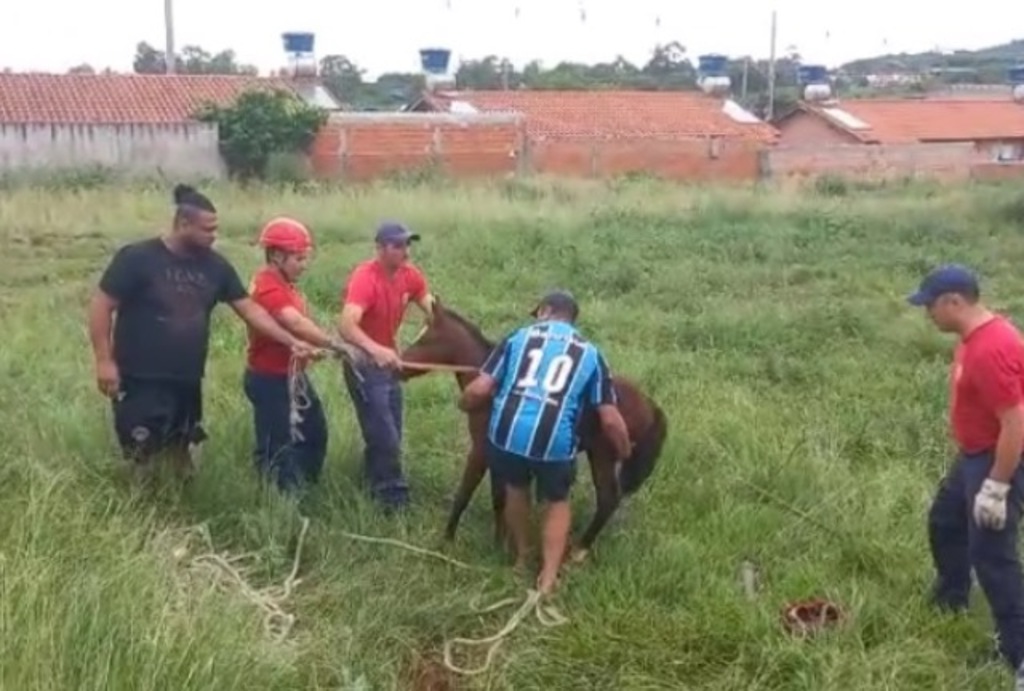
(713,65)
(298,42)
(435,60)
(812,74)
(1016,74)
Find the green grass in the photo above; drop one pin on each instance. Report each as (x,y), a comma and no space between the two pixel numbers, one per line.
(806,405)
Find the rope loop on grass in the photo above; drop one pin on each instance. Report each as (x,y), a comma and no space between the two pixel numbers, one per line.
(547,616)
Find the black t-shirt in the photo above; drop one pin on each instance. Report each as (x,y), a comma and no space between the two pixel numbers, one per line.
(162,328)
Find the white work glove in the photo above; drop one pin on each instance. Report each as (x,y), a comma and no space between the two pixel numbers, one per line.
(990,504)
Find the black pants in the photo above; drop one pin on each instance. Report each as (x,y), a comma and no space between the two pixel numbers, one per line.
(958,543)
(157,415)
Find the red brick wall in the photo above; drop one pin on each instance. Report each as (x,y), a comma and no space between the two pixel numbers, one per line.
(362,146)
(675,160)
(998,171)
(946,161)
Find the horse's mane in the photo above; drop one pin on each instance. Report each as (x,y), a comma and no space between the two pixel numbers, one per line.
(471,328)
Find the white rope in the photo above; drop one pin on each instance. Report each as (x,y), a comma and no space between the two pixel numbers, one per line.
(298,399)
(547,616)
(277,623)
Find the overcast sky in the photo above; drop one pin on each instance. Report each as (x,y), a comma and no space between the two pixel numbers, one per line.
(385,35)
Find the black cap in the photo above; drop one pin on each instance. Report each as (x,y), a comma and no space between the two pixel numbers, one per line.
(559,300)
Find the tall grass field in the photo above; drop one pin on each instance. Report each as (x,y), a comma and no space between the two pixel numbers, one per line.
(806,403)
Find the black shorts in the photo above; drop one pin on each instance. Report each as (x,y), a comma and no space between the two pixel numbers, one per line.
(554,478)
(155,415)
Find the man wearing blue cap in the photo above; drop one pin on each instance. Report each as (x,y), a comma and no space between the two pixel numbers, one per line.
(976,512)
(373,305)
(542,377)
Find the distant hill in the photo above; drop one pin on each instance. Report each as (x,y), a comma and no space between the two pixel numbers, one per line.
(984,66)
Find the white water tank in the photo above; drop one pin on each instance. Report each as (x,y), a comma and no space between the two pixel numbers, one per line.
(716,86)
(817,92)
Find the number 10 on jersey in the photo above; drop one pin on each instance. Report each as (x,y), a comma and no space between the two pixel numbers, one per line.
(556,374)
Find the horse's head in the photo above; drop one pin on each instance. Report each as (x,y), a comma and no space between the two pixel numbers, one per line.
(446,339)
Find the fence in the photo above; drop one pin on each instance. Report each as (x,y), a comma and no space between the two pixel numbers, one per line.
(187,149)
(359,146)
(362,146)
(698,159)
(953,161)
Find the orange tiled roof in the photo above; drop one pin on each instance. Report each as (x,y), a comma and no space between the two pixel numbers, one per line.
(906,120)
(599,114)
(117,98)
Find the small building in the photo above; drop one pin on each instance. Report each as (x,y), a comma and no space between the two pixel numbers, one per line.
(138,123)
(995,126)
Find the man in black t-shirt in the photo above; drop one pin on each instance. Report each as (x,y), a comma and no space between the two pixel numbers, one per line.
(163,291)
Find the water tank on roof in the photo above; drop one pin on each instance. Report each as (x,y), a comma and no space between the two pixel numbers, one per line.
(298,45)
(713,64)
(812,74)
(816,82)
(298,42)
(713,73)
(1016,78)
(434,61)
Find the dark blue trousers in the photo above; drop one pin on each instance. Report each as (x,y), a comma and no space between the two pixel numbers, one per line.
(289,464)
(377,399)
(958,544)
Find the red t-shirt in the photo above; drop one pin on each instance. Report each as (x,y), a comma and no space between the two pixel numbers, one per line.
(273,293)
(382,297)
(987,376)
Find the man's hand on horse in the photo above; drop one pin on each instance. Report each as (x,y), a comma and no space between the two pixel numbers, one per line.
(108,379)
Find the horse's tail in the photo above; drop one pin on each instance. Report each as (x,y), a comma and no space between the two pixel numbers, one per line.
(640,464)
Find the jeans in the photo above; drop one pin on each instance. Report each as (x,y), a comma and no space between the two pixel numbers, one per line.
(377,397)
(958,544)
(287,463)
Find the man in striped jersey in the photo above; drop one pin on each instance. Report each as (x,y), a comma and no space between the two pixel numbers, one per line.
(542,378)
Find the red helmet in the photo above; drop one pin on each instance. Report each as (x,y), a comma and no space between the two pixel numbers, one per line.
(285,234)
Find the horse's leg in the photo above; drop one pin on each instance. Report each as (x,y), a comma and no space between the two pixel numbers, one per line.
(606,487)
(472,474)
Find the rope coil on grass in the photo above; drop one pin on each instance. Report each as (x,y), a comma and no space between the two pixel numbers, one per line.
(277,623)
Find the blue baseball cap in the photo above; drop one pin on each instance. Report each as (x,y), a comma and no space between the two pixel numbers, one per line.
(949,278)
(394,233)
(560,301)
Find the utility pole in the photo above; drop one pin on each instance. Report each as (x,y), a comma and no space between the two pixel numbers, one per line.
(771,74)
(746,71)
(169,57)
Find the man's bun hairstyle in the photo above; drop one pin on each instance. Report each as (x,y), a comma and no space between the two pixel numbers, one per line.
(187,198)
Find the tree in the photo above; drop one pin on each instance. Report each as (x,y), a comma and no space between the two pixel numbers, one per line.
(259,124)
(192,60)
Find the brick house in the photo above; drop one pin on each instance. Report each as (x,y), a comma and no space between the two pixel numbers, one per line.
(133,122)
(994,126)
(122,99)
(675,134)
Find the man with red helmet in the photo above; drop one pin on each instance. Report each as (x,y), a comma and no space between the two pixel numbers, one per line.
(289,462)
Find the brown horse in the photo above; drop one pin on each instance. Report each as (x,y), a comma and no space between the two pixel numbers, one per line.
(449,339)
